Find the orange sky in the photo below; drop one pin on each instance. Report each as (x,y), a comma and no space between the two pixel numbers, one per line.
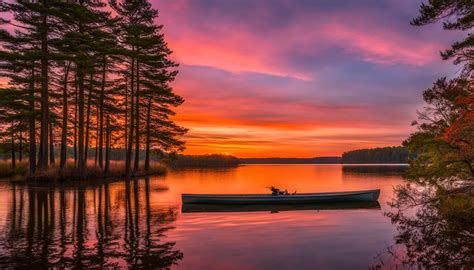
(299,78)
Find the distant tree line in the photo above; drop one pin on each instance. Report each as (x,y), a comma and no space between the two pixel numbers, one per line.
(83,77)
(202,161)
(395,155)
(314,160)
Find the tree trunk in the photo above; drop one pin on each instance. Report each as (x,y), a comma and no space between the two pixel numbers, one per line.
(80,76)
(89,100)
(101,112)
(13,152)
(63,157)
(107,145)
(147,151)
(51,144)
(43,160)
(96,154)
(20,149)
(137,121)
(31,125)
(128,158)
(40,156)
(76,99)
(126,115)
(80,154)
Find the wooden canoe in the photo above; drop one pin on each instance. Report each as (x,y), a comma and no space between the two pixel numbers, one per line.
(301,198)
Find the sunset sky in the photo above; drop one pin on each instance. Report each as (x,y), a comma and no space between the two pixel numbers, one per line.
(300,78)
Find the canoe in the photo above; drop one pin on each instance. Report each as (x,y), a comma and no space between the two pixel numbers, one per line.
(275,208)
(301,198)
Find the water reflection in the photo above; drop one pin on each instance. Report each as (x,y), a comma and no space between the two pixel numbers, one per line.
(81,227)
(435,230)
(193,208)
(375,170)
(138,223)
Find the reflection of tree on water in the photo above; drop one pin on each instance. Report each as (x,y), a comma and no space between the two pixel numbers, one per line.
(379,169)
(143,247)
(440,232)
(84,227)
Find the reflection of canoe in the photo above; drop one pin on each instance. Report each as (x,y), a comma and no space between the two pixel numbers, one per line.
(193,208)
(302,198)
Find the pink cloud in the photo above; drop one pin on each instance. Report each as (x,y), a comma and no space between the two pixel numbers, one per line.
(241,46)
(381,45)
(205,51)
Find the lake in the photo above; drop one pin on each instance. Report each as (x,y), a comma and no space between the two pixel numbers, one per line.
(140,223)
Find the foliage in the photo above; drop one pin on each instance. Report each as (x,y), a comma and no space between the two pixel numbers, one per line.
(444,140)
(440,235)
(456,15)
(445,137)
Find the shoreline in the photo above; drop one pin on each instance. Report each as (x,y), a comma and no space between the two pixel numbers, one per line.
(56,175)
(92,173)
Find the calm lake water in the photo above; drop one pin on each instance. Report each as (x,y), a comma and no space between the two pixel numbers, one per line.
(140,223)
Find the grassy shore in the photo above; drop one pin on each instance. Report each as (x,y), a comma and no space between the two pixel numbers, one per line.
(69,173)
(6,169)
(116,168)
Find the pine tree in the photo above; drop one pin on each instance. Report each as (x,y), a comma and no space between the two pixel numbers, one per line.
(66,70)
(86,21)
(131,16)
(150,72)
(455,15)
(18,61)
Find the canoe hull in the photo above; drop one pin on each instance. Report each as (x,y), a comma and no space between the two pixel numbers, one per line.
(303,198)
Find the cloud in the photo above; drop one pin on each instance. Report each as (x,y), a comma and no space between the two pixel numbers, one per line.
(381,46)
(299,77)
(289,78)
(259,37)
